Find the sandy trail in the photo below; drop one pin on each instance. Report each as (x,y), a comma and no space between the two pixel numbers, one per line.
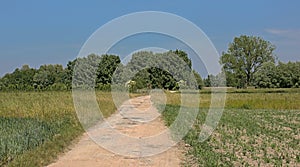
(135,136)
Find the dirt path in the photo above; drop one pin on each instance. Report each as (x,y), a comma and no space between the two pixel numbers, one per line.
(135,136)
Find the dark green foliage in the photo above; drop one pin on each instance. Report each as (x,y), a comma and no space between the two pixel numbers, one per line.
(249,61)
(243,64)
(148,70)
(265,76)
(107,67)
(184,57)
(170,70)
(154,78)
(283,75)
(288,74)
(20,79)
(243,58)
(47,75)
(55,77)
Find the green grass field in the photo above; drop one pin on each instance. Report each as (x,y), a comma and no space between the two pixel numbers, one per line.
(36,126)
(258,127)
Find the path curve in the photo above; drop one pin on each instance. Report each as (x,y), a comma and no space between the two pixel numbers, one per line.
(136,118)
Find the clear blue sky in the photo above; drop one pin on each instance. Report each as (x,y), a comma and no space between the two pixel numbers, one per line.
(43,32)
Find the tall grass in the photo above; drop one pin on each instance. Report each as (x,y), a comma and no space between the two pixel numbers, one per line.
(37,126)
(279,99)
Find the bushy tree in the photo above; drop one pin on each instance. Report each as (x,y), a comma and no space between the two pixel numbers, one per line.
(160,70)
(20,79)
(283,75)
(106,68)
(184,56)
(47,75)
(243,58)
(93,70)
(288,74)
(266,76)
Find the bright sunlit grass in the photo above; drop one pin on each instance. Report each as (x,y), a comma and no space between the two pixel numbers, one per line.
(36,126)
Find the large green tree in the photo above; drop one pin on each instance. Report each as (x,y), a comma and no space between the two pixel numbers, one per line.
(184,56)
(106,68)
(160,70)
(243,58)
(93,70)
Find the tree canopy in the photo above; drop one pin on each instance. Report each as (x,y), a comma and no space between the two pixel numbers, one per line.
(244,57)
(146,69)
(249,61)
(160,70)
(283,75)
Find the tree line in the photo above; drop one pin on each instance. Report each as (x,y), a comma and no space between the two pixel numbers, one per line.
(249,61)
(146,70)
(269,75)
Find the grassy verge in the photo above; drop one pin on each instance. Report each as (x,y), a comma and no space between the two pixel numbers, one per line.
(37,126)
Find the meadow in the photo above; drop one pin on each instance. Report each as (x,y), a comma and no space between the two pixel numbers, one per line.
(258,127)
(37,126)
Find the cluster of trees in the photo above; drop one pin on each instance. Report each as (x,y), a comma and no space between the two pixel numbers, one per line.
(46,77)
(268,75)
(171,70)
(93,71)
(282,75)
(250,61)
(56,77)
